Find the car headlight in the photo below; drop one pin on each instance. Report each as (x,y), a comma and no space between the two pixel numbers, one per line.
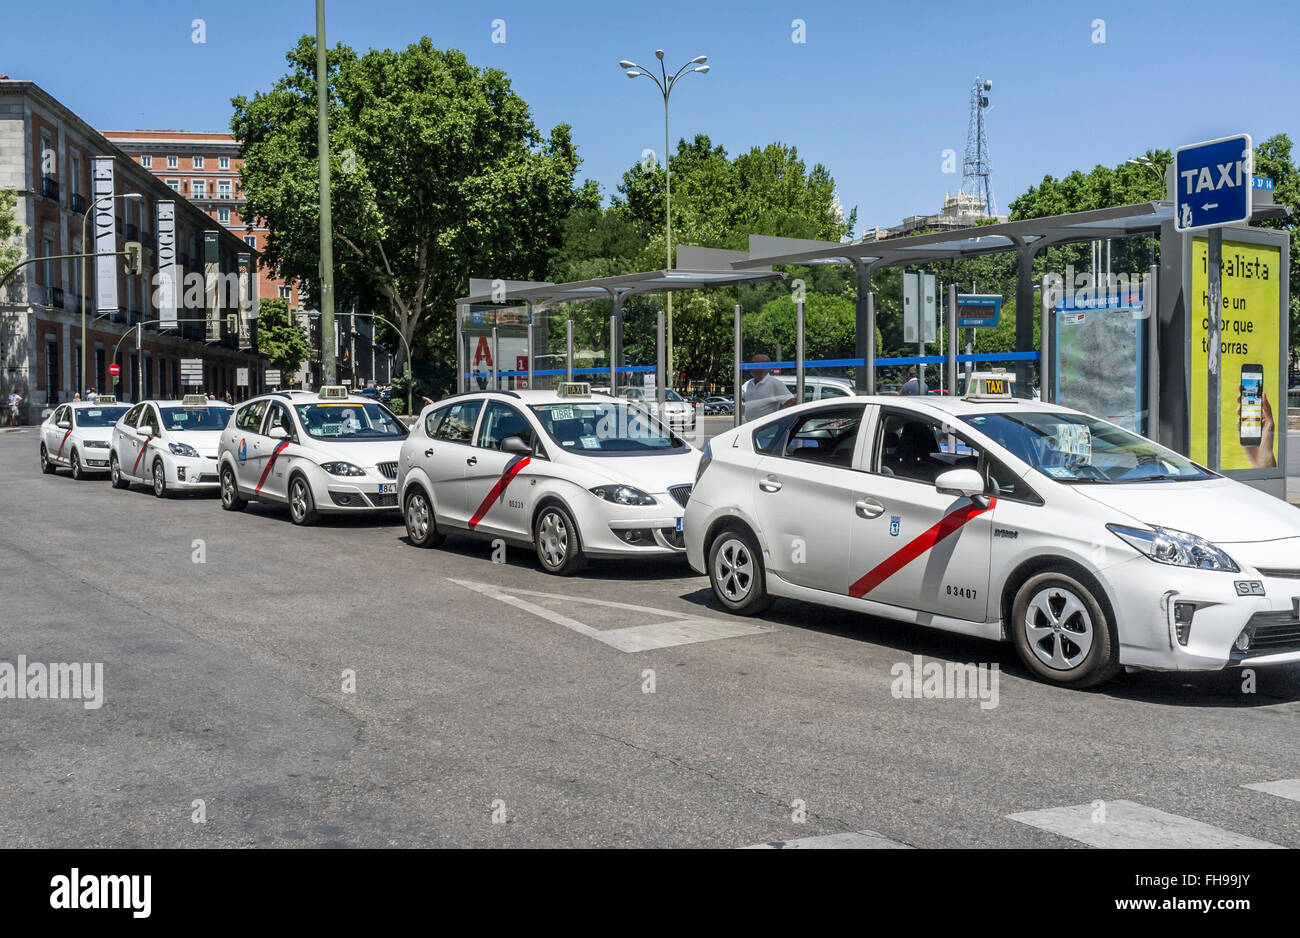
(1176,548)
(342,469)
(622,495)
(181,449)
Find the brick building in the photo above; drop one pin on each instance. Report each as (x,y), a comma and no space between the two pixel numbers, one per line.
(46,154)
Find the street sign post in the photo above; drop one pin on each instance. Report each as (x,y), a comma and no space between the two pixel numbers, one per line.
(115,369)
(978,310)
(272,377)
(1213,183)
(192,372)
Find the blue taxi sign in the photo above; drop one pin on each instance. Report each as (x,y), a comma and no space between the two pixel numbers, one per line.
(1212,183)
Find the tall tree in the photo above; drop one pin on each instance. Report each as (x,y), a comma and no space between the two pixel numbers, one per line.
(438,174)
(281,337)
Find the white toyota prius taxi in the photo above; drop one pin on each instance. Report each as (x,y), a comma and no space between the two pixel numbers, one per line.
(78,435)
(570,474)
(329,452)
(1087,546)
(172,445)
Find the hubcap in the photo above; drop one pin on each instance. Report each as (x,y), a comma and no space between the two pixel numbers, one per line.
(117,471)
(1058,628)
(734,570)
(228,488)
(159,482)
(417,517)
(553,538)
(299,500)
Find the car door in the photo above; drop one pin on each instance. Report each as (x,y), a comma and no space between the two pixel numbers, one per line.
(249,445)
(913,547)
(499,489)
(447,457)
(275,454)
(54,434)
(805,490)
(147,420)
(123,432)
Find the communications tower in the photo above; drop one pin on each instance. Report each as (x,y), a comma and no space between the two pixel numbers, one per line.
(976,171)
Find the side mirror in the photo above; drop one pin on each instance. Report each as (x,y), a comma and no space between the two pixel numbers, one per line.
(515,444)
(144,430)
(64,425)
(278,433)
(965,482)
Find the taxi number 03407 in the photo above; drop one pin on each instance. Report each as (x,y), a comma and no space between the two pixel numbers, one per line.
(962,591)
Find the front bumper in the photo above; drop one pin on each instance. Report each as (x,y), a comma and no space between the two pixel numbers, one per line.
(194,474)
(610,530)
(95,459)
(356,493)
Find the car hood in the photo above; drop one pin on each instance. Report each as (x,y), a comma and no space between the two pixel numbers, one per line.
(1219,510)
(366,455)
(650,474)
(92,433)
(205,441)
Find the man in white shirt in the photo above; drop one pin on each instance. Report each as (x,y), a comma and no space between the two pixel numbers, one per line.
(764,393)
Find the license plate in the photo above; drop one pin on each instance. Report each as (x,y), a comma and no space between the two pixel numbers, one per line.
(679,524)
(388,488)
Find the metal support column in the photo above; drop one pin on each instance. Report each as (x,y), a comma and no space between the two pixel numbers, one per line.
(1024,301)
(613,355)
(496,357)
(869,359)
(139,361)
(460,350)
(798,351)
(1044,360)
(531,346)
(736,402)
(661,351)
(1151,312)
(1214,349)
(865,331)
(568,347)
(951,337)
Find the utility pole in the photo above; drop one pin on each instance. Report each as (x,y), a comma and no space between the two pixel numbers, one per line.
(328,359)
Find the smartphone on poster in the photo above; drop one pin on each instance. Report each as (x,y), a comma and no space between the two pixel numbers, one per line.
(1251,423)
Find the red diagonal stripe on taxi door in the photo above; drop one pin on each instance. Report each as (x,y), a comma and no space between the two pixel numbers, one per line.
(498,487)
(950,524)
(59,454)
(143,449)
(269,463)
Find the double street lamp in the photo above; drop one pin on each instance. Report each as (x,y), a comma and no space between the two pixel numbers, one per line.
(665,83)
(85,363)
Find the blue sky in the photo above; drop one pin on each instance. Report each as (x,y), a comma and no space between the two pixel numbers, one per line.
(876,93)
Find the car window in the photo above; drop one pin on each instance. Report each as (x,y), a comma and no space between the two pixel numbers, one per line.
(211,417)
(768,437)
(457,426)
(133,415)
(834,390)
(501,421)
(349,422)
(432,420)
(249,418)
(824,436)
(913,446)
(278,416)
(155,419)
(1002,482)
(97,416)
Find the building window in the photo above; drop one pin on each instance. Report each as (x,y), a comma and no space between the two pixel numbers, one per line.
(173,162)
(146,162)
(198,188)
(251,241)
(174,185)
(198,162)
(223,188)
(223,216)
(223,162)
(286,293)
(51,370)
(74,184)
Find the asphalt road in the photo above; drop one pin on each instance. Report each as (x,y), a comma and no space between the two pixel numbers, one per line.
(224,683)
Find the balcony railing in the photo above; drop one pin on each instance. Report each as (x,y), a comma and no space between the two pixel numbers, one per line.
(54,297)
(49,188)
(78,203)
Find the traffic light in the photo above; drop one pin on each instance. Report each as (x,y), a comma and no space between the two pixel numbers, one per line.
(132,264)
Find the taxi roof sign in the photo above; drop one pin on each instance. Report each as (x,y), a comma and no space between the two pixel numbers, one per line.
(194,400)
(104,399)
(574,389)
(333,392)
(988,386)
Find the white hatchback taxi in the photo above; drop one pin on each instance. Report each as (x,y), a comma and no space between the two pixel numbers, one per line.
(570,474)
(328,452)
(172,445)
(1087,546)
(78,435)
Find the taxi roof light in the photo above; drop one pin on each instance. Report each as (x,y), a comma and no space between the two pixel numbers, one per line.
(988,386)
(333,392)
(194,400)
(574,389)
(105,399)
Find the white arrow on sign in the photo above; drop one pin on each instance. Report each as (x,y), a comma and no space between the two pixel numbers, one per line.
(1209,205)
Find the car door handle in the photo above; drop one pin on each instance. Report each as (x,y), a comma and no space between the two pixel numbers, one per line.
(869,508)
(472,461)
(428,452)
(770,484)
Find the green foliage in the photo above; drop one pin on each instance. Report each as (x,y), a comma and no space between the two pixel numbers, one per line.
(1273,159)
(437,173)
(281,336)
(830,327)
(11,245)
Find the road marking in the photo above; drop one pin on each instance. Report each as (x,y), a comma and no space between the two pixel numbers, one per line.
(1285,788)
(854,840)
(1129,825)
(681,629)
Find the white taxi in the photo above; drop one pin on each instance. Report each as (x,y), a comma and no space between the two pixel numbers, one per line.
(329,452)
(569,473)
(78,435)
(1089,547)
(172,445)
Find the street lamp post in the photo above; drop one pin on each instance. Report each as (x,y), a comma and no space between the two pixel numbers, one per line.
(665,83)
(85,349)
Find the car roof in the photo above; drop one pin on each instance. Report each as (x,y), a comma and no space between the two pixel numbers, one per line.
(162,403)
(527,398)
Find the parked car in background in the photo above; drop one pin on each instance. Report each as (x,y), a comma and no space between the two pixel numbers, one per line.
(678,413)
(718,404)
(818,388)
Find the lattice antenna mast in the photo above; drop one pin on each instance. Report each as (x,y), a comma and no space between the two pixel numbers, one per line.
(976,171)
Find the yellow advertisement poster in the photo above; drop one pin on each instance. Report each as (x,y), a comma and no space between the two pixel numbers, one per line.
(1250,397)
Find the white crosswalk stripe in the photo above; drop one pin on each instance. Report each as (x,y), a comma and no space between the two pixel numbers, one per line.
(1126,824)
(1284,788)
(853,840)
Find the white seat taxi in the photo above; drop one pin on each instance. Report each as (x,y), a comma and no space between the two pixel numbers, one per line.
(328,452)
(78,435)
(568,473)
(172,445)
(1089,547)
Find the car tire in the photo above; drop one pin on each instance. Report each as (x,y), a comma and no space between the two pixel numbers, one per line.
(556,539)
(230,497)
(47,467)
(421,526)
(115,474)
(302,507)
(736,573)
(75,462)
(1062,633)
(159,479)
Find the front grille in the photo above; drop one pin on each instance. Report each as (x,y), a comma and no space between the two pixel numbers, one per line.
(1279,572)
(674,538)
(682,493)
(1272,633)
(383,501)
(388,470)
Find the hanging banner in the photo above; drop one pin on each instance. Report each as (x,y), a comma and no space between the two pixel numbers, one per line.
(105,235)
(211,280)
(244,263)
(165,294)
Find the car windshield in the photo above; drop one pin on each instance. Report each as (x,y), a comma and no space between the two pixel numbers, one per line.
(348,421)
(606,429)
(1075,448)
(97,416)
(196,418)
